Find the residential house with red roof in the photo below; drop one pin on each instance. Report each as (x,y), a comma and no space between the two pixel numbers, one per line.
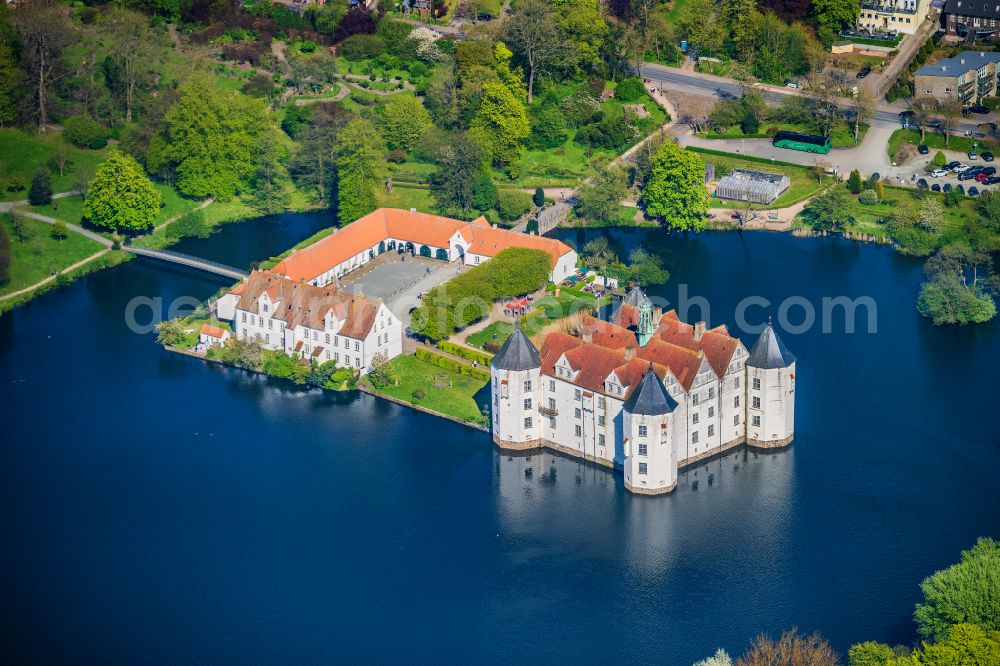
(645,393)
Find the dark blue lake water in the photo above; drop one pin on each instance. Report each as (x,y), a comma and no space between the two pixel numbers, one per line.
(156,508)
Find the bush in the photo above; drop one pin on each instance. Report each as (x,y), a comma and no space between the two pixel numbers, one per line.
(538,198)
(15,183)
(191,224)
(360,47)
(630,90)
(512,204)
(939,160)
(59,231)
(82,131)
(868,198)
(854,182)
(452,365)
(548,127)
(464,352)
(749,124)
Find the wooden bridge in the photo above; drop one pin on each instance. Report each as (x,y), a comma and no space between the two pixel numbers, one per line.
(188,260)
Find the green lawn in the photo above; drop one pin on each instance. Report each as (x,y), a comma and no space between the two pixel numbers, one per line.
(443,391)
(935,140)
(70,209)
(406,197)
(803,183)
(842,135)
(22,152)
(547,309)
(36,258)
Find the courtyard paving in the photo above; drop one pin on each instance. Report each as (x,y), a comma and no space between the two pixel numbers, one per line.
(398,280)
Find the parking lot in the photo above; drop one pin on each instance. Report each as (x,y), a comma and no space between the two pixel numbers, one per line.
(398,280)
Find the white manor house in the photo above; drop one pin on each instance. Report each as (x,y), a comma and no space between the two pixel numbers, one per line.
(648,394)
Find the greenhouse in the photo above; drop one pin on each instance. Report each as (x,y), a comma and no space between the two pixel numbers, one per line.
(756,187)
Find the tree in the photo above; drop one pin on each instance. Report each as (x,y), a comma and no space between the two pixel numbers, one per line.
(964,644)
(646,268)
(675,191)
(121,197)
(966,592)
(830,16)
(313,166)
(792,649)
(270,193)
(871,653)
(129,32)
(61,158)
(380,370)
(11,79)
(923,108)
(538,198)
(720,658)
(44,32)
(170,332)
(360,170)
(461,168)
(501,124)
(830,211)
(854,182)
(534,32)
(863,105)
(939,160)
(583,29)
(950,112)
(403,120)
(598,199)
(40,192)
(211,140)
(59,231)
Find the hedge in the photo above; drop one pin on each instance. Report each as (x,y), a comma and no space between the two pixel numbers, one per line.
(451,364)
(464,352)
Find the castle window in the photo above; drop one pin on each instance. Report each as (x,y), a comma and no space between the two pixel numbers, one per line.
(737,382)
(694,418)
(600,420)
(327,338)
(642,468)
(552,385)
(244,317)
(265,307)
(711,392)
(756,402)
(357,346)
(736,420)
(736,401)
(577,413)
(600,401)
(527,385)
(643,449)
(270,324)
(756,383)
(642,431)
(527,422)
(600,440)
(756,421)
(694,399)
(711,412)
(576,394)
(578,430)
(694,437)
(552,403)
(711,430)
(527,403)
(552,422)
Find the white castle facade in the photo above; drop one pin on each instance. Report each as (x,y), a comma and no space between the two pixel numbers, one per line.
(642,395)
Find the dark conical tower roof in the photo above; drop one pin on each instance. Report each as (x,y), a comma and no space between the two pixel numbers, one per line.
(636,297)
(517,352)
(650,397)
(769,351)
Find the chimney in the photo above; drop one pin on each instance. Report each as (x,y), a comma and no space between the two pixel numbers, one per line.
(629,353)
(494,226)
(587,336)
(413,210)
(699,331)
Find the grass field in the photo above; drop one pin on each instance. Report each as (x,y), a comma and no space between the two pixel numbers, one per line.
(803,182)
(962,144)
(37,257)
(443,391)
(406,197)
(842,135)
(70,209)
(23,152)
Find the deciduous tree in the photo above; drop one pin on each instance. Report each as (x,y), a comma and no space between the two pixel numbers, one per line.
(360,169)
(44,31)
(534,32)
(270,183)
(403,119)
(121,197)
(598,199)
(675,191)
(501,124)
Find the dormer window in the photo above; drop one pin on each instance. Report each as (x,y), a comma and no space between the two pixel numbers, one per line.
(265,307)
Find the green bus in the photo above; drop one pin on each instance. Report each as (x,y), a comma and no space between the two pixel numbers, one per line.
(809,143)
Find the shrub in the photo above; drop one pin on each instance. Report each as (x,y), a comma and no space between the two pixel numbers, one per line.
(59,230)
(868,198)
(854,182)
(749,124)
(512,204)
(464,352)
(451,365)
(629,90)
(82,131)
(538,198)
(190,224)
(359,47)
(939,160)
(398,156)
(97,144)
(548,127)
(15,183)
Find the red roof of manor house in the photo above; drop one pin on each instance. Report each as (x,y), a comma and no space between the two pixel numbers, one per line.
(604,348)
(300,303)
(411,226)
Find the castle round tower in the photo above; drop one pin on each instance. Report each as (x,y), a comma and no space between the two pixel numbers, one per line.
(770,392)
(650,455)
(516,384)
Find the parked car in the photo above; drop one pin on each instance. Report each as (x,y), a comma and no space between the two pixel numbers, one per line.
(989,171)
(951,165)
(937,173)
(980,177)
(968,174)
(906,114)
(935,187)
(960,188)
(946,187)
(935,123)
(992,180)
(959,168)
(865,71)
(973,155)
(986,155)
(922,183)
(923,149)
(973,191)
(979,108)
(874,177)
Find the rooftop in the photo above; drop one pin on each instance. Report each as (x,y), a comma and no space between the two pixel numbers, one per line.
(961,63)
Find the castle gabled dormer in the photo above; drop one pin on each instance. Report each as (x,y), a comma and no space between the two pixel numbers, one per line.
(614,386)
(564,369)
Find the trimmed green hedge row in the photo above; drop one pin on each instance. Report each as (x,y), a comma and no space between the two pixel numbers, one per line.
(451,364)
(464,352)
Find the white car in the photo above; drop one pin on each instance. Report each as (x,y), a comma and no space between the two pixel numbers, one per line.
(960,168)
(937,173)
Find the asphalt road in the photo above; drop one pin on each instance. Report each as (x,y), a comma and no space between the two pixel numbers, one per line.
(713,86)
